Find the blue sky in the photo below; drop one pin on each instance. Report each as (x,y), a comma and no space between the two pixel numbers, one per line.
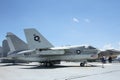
(64,22)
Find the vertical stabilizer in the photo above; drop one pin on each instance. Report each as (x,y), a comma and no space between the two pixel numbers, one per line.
(15,43)
(1,51)
(36,40)
(6,48)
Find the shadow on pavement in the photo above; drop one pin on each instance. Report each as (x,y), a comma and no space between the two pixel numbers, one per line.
(54,67)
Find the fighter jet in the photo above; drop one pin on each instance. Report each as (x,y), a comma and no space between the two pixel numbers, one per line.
(39,49)
(44,52)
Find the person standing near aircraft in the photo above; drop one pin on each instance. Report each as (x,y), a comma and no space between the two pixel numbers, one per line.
(110,59)
(103,59)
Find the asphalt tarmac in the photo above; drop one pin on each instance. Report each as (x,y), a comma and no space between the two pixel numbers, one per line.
(64,71)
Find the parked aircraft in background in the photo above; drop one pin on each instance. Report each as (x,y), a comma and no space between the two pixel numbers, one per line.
(1,51)
(110,52)
(5,50)
(5,47)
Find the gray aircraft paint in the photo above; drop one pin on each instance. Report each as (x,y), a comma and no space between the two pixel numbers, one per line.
(41,50)
(46,52)
(1,51)
(15,43)
(6,48)
(36,40)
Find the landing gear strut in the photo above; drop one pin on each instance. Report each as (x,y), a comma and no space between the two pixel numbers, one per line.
(50,63)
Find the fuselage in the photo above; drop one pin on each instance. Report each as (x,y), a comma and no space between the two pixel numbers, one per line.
(73,53)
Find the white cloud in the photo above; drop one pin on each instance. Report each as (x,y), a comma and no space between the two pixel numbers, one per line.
(87,20)
(107,46)
(75,20)
(111,46)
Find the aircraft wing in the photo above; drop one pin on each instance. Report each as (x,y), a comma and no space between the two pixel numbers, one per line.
(42,52)
(51,52)
(8,58)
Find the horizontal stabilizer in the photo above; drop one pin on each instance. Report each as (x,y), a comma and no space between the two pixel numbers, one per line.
(15,43)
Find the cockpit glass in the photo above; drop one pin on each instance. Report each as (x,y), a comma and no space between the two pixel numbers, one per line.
(90,47)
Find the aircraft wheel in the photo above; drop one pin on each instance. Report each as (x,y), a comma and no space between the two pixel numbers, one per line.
(82,64)
(51,64)
(47,64)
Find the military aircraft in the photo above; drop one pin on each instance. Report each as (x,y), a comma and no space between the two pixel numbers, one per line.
(44,52)
(39,49)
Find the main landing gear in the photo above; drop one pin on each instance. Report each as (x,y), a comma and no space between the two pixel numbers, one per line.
(82,64)
(47,64)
